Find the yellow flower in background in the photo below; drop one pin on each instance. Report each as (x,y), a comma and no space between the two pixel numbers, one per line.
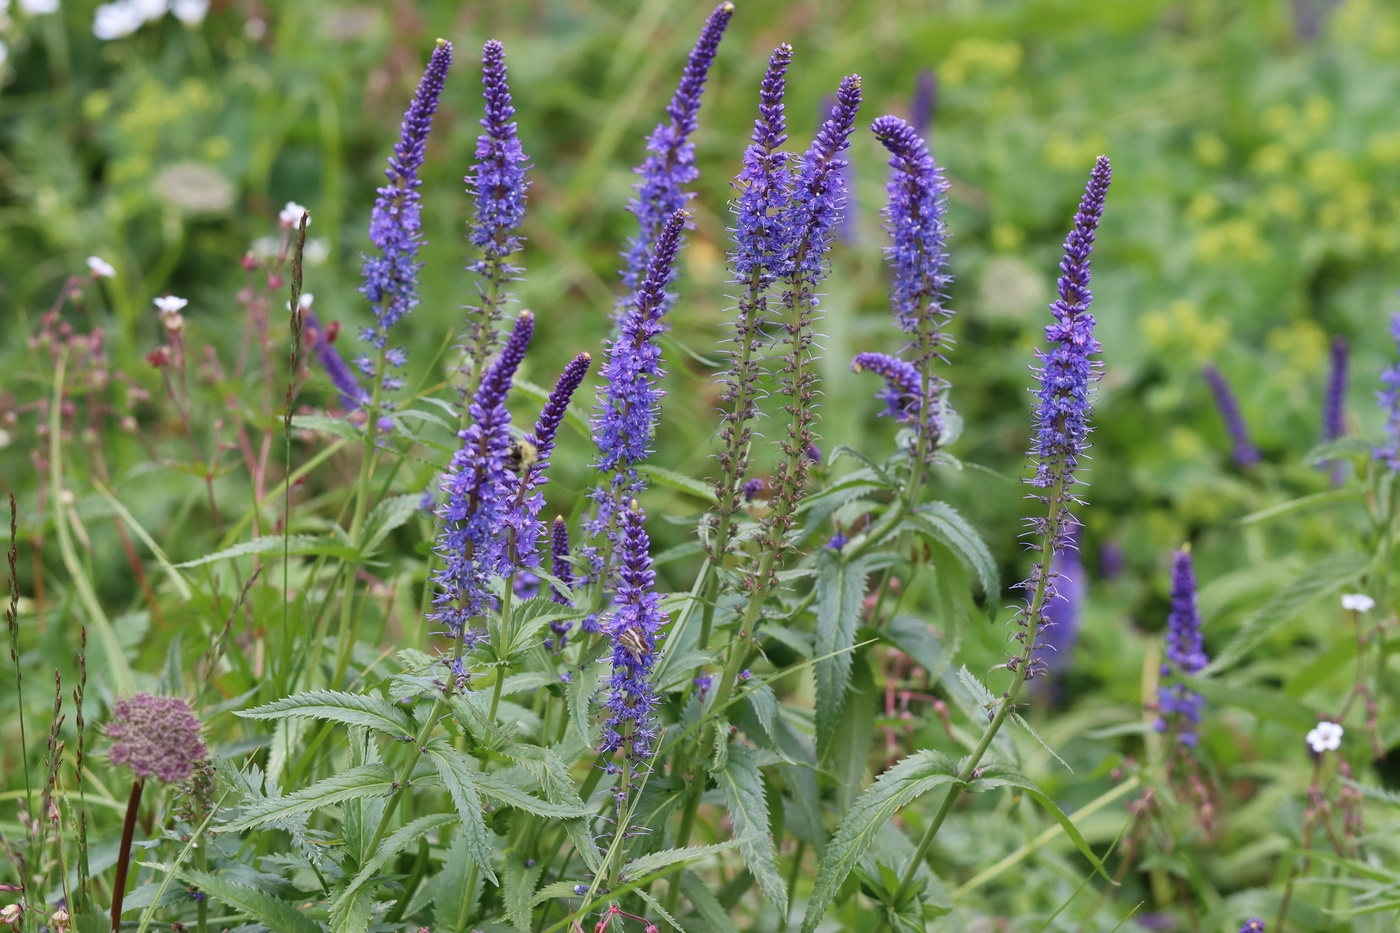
(1327,170)
(1203,207)
(1277,119)
(1182,331)
(1302,344)
(1186,444)
(1384,148)
(1237,240)
(1317,113)
(1269,159)
(1210,149)
(1006,237)
(1284,201)
(1072,151)
(976,58)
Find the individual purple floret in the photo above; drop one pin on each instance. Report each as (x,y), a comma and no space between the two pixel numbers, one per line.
(901,395)
(1389,397)
(391,278)
(671,163)
(1244,454)
(633,630)
(925,104)
(630,398)
(156,736)
(498,182)
(1186,654)
(522,519)
(1253,925)
(479,487)
(1067,371)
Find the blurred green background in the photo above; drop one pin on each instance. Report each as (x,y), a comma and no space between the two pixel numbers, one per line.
(1252,218)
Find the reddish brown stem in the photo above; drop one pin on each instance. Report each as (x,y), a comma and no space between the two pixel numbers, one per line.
(133,804)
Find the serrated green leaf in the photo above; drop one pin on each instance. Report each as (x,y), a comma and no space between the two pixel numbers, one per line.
(659,910)
(461,778)
(519,887)
(1000,776)
(706,905)
(741,785)
(299,545)
(943,523)
(1375,793)
(268,909)
(978,705)
(351,709)
(388,515)
(840,589)
(638,870)
(913,777)
(504,792)
(374,780)
(1326,576)
(388,848)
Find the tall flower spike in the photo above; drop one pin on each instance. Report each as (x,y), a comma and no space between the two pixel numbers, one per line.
(671,163)
(1334,407)
(391,278)
(1060,630)
(901,395)
(634,630)
(479,485)
(352,394)
(1243,452)
(1389,398)
(563,571)
(498,182)
(925,104)
(917,256)
(1186,654)
(629,399)
(523,517)
(818,191)
(1067,370)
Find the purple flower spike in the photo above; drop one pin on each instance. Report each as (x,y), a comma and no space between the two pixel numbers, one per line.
(671,163)
(1334,409)
(634,630)
(761,235)
(563,570)
(1244,453)
(819,190)
(1253,925)
(629,398)
(1067,370)
(1060,628)
(391,278)
(901,395)
(1389,397)
(352,394)
(1186,653)
(925,104)
(523,517)
(156,736)
(498,182)
(478,487)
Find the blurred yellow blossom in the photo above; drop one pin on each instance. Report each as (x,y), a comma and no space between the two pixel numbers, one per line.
(1237,240)
(973,58)
(1317,113)
(1186,444)
(1074,151)
(1384,147)
(1303,344)
(1006,237)
(1327,169)
(1269,159)
(1284,201)
(1203,207)
(1277,119)
(1210,149)
(1182,331)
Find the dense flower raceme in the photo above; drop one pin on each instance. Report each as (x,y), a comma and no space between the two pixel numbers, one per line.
(479,486)
(634,630)
(901,395)
(498,182)
(629,399)
(925,104)
(818,190)
(321,342)
(1067,371)
(1186,654)
(671,163)
(563,570)
(1334,407)
(156,736)
(917,256)
(390,279)
(1243,452)
(1389,397)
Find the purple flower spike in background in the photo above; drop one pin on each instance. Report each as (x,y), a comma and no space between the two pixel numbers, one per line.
(1253,925)
(1244,453)
(498,182)
(391,277)
(156,736)
(924,108)
(1334,408)
(352,394)
(1060,630)
(901,395)
(671,163)
(634,630)
(1389,397)
(478,488)
(1186,654)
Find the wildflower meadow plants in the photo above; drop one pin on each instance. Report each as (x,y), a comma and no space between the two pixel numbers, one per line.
(437,673)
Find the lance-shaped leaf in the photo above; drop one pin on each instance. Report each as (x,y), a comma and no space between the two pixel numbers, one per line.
(351,709)
(374,780)
(460,777)
(267,909)
(840,589)
(993,776)
(742,786)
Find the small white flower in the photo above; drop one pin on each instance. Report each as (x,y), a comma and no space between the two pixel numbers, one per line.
(1325,737)
(149,9)
(1357,602)
(316,251)
(101,268)
(190,12)
(38,7)
(303,301)
(4,52)
(290,215)
(169,304)
(116,20)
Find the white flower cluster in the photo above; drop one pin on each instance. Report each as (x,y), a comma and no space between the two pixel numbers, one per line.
(123,17)
(1325,737)
(1357,602)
